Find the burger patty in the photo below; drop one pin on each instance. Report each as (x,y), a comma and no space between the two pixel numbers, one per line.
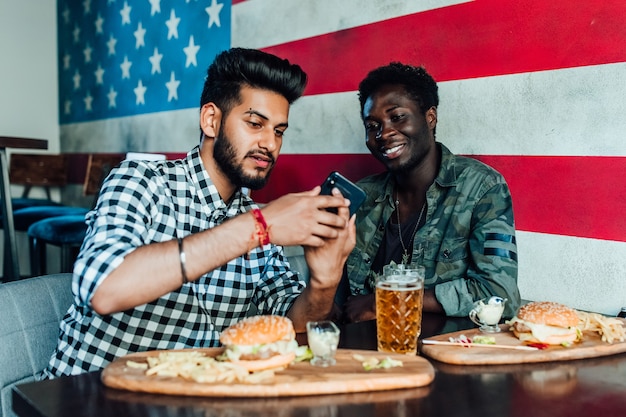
(521,327)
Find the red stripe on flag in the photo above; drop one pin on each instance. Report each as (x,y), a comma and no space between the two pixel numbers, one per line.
(299,172)
(478,39)
(572,196)
(579,196)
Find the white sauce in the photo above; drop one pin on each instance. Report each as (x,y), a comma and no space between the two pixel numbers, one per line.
(323,343)
(490,314)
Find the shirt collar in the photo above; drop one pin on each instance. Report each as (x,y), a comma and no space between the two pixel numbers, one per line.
(205,190)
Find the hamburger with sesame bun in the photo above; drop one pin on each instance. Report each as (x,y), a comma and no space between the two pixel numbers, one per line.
(546,322)
(260,342)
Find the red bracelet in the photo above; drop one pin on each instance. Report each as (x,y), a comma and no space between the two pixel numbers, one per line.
(262,231)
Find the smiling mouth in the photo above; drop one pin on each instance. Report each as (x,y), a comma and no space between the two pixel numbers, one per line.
(391,152)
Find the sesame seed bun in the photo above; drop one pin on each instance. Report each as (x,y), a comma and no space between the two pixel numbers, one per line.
(548,313)
(546,322)
(260,342)
(258,330)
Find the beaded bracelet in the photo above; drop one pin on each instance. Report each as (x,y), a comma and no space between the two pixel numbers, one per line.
(183,260)
(262,231)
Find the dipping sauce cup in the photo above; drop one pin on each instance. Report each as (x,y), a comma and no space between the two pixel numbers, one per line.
(487,314)
(323,337)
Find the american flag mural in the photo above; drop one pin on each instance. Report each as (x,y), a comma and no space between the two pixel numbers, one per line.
(124,58)
(534,88)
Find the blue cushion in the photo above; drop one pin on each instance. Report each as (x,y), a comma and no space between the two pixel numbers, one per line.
(60,230)
(20,203)
(23,218)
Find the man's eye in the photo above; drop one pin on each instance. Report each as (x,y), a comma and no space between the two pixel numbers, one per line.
(371,127)
(279,133)
(254,124)
(397,117)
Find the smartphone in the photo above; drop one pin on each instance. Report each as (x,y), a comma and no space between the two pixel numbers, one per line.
(348,189)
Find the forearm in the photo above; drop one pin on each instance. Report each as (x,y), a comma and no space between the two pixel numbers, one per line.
(153,270)
(311,305)
(431,304)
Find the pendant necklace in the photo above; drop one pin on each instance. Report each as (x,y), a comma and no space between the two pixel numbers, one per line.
(405,255)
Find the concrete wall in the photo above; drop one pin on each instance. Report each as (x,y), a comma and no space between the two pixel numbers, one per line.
(28,81)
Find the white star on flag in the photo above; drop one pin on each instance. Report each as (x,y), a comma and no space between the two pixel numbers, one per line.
(99,22)
(125,13)
(111,45)
(88,100)
(99,73)
(125,58)
(155,7)
(140,33)
(87,53)
(155,60)
(172,88)
(76,79)
(76,34)
(126,68)
(191,51)
(214,13)
(112,95)
(140,91)
(172,26)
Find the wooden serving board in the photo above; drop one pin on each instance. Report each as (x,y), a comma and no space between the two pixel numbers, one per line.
(298,379)
(591,346)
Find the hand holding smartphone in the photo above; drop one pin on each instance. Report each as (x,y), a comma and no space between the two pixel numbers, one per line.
(348,189)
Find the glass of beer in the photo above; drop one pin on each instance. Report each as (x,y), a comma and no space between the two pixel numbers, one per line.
(399,300)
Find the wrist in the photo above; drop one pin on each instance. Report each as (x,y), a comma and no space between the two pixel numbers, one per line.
(261,234)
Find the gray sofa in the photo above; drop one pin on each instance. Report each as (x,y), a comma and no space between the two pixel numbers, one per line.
(30,312)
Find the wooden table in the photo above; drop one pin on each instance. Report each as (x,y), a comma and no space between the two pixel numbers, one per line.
(11,270)
(579,388)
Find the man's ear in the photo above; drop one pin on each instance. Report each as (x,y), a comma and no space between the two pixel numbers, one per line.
(210,119)
(431,117)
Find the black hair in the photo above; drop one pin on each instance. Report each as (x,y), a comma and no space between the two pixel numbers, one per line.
(238,67)
(420,85)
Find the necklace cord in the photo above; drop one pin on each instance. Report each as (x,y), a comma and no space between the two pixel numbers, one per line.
(405,255)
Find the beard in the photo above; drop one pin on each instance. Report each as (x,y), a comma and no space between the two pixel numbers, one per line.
(225,156)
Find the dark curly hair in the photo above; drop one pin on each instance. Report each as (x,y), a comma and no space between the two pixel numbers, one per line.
(418,83)
(238,67)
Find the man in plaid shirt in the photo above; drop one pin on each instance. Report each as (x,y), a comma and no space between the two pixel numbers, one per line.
(176,252)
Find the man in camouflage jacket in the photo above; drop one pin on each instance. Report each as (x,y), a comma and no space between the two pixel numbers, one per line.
(455,213)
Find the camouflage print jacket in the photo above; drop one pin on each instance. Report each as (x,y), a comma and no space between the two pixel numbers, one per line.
(467,244)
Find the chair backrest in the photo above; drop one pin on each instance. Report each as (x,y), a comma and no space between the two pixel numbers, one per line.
(30,312)
(98,167)
(38,170)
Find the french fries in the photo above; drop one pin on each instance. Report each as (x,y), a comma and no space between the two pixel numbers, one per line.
(195,366)
(611,329)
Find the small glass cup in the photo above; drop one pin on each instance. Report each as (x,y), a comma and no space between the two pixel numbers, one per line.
(487,314)
(323,338)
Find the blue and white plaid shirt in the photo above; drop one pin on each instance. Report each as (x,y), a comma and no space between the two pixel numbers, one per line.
(145,202)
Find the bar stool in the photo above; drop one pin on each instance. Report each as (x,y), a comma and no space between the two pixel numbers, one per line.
(66,232)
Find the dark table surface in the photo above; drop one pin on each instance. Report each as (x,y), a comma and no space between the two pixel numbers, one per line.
(589,387)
